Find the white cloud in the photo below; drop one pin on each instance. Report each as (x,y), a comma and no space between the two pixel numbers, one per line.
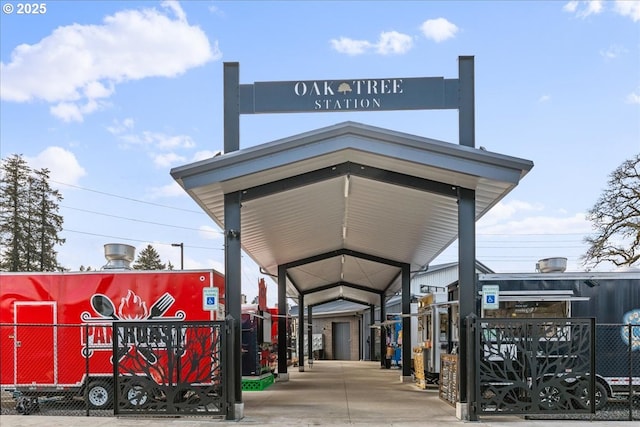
(506,210)
(393,42)
(62,164)
(70,112)
(438,29)
(67,112)
(175,8)
(612,52)
(571,7)
(350,47)
(628,8)
(389,43)
(120,127)
(166,160)
(76,65)
(634,97)
(539,225)
(582,9)
(544,98)
(169,142)
(152,142)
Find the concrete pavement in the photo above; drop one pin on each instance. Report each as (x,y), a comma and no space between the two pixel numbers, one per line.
(333,393)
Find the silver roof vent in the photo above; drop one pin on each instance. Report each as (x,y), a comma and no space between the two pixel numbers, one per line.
(119,256)
(552,265)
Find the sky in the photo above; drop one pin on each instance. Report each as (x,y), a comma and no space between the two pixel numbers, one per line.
(110,95)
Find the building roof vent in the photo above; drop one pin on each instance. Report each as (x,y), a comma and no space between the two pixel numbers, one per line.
(119,256)
(552,265)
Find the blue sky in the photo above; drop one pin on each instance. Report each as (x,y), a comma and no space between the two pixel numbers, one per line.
(110,95)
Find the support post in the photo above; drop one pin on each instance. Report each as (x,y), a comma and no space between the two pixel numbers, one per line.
(301,333)
(233,248)
(372,341)
(467,286)
(406,323)
(310,332)
(282,324)
(383,330)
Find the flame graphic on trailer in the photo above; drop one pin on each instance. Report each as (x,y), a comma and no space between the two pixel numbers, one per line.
(131,307)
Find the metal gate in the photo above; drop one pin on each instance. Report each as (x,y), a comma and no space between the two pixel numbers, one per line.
(169,368)
(534,366)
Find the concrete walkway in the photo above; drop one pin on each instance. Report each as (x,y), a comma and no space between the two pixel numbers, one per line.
(333,393)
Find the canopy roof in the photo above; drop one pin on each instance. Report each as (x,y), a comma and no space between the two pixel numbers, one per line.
(344,207)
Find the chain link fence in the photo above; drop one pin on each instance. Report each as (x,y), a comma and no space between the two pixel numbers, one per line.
(68,370)
(49,369)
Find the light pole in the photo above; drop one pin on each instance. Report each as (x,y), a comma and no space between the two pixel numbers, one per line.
(181,245)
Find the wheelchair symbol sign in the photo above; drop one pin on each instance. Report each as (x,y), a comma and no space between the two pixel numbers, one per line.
(490,299)
(210,299)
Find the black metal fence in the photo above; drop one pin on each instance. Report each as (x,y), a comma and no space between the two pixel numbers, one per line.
(617,373)
(531,366)
(557,368)
(171,368)
(159,368)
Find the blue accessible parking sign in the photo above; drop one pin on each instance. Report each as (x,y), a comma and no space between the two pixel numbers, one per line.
(210,299)
(490,300)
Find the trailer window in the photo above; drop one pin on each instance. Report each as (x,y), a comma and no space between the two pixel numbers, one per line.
(528,309)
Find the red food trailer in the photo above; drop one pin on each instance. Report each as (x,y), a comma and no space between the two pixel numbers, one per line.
(53,326)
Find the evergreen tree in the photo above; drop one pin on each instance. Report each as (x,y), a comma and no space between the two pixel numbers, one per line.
(29,219)
(47,223)
(148,259)
(13,220)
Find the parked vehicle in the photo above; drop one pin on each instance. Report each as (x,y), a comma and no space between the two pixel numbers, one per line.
(56,327)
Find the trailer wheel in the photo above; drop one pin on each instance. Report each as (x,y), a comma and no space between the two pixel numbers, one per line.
(550,397)
(136,394)
(602,396)
(100,395)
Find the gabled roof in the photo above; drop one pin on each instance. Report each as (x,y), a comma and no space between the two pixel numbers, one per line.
(344,207)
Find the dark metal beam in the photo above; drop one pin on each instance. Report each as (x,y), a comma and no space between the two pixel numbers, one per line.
(345,284)
(353,300)
(345,252)
(348,168)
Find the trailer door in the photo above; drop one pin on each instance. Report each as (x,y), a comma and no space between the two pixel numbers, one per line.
(35,343)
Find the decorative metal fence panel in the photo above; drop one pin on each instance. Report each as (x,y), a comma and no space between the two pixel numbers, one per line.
(617,374)
(531,366)
(169,368)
